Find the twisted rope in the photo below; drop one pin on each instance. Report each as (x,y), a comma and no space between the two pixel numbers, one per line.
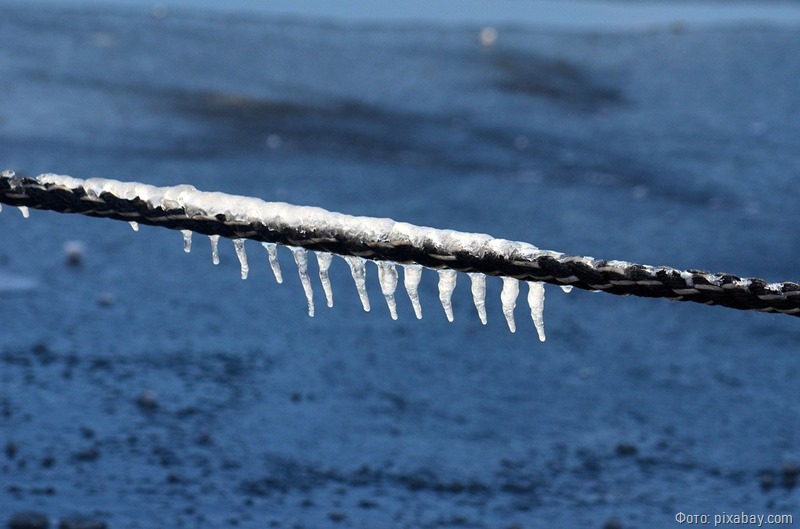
(438,249)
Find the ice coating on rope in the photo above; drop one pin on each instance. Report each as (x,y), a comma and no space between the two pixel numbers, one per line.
(187,240)
(25,211)
(387,277)
(358,269)
(412,275)
(134,225)
(508,297)
(478,289)
(272,254)
(301,258)
(214,248)
(447,284)
(536,303)
(324,261)
(238,245)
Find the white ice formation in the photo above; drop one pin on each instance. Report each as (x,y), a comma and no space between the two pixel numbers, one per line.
(25,211)
(134,225)
(442,245)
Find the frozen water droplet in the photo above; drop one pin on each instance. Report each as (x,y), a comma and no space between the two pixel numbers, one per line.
(479,293)
(359,272)
(536,303)
(134,225)
(566,288)
(508,297)
(214,248)
(272,253)
(447,284)
(301,258)
(324,261)
(187,240)
(25,211)
(238,245)
(387,277)
(412,275)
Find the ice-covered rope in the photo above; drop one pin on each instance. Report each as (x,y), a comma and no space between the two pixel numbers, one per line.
(386,242)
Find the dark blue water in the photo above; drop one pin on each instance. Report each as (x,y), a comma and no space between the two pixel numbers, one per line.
(147,386)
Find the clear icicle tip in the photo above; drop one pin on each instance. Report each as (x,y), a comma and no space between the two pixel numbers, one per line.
(187,240)
(387,277)
(479,293)
(238,245)
(447,284)
(214,248)
(536,303)
(508,297)
(324,260)
(358,270)
(301,259)
(25,211)
(134,225)
(412,275)
(272,254)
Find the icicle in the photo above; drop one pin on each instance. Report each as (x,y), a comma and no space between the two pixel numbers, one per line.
(238,245)
(187,240)
(412,274)
(387,277)
(272,253)
(358,271)
(25,211)
(447,284)
(566,288)
(301,258)
(214,248)
(536,303)
(1,208)
(509,299)
(324,261)
(479,293)
(134,225)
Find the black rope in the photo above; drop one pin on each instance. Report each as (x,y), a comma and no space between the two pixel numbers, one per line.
(590,274)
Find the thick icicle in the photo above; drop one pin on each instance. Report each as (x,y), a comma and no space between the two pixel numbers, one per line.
(536,303)
(238,245)
(566,288)
(134,225)
(25,211)
(324,261)
(387,277)
(359,272)
(447,284)
(272,253)
(412,275)
(187,240)
(301,258)
(214,248)
(479,293)
(508,297)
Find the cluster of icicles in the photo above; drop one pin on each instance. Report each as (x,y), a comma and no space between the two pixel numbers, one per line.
(388,279)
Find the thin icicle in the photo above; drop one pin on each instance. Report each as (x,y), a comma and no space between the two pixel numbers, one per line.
(301,258)
(479,293)
(566,288)
(387,277)
(359,272)
(536,303)
(1,208)
(25,211)
(508,297)
(187,240)
(238,245)
(324,261)
(447,284)
(214,248)
(412,275)
(272,253)
(134,225)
